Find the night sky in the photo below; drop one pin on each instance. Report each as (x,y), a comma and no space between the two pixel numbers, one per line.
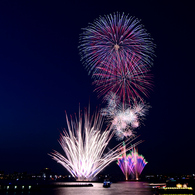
(41,77)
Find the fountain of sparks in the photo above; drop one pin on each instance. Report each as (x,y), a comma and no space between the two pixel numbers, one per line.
(84,146)
(132,163)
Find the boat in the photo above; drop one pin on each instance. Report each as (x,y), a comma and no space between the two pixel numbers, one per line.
(106,184)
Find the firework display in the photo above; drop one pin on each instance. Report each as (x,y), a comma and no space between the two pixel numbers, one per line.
(84,146)
(115,39)
(125,81)
(132,163)
(125,164)
(117,51)
(124,117)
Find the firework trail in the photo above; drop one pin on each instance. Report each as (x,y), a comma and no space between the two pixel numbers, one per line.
(132,163)
(124,162)
(84,146)
(124,118)
(139,163)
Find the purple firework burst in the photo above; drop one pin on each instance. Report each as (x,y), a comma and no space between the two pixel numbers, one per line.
(128,81)
(112,40)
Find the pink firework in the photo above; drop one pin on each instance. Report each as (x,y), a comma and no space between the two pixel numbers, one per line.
(132,163)
(129,80)
(124,118)
(112,40)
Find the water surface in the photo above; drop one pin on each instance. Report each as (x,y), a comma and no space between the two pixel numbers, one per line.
(123,188)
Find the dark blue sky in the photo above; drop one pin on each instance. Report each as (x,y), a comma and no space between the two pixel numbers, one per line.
(41,76)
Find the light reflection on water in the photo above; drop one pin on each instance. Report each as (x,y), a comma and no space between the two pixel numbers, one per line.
(123,188)
(130,188)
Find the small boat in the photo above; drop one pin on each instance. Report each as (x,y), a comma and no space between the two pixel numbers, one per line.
(106,184)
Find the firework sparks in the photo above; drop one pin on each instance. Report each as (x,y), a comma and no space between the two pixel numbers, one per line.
(139,163)
(123,117)
(123,80)
(132,163)
(84,146)
(117,51)
(115,39)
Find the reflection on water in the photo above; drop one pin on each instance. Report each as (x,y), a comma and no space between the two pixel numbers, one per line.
(124,188)
(130,188)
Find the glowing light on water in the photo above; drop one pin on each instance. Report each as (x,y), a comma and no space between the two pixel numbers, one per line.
(84,145)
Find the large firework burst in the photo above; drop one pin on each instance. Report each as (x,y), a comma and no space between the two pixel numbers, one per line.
(115,39)
(118,53)
(129,81)
(84,146)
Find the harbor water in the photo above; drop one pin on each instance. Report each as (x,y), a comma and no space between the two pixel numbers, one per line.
(123,188)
